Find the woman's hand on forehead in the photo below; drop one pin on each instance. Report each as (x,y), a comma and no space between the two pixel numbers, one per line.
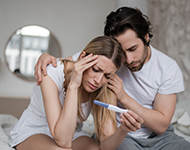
(80,66)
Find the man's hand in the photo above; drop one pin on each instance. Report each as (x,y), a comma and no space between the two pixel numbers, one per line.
(44,60)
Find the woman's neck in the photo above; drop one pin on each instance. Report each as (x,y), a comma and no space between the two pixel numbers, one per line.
(68,67)
(85,95)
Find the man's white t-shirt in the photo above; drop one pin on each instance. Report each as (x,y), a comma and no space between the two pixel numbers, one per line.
(160,74)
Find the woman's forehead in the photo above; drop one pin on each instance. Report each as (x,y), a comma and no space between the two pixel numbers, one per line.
(106,65)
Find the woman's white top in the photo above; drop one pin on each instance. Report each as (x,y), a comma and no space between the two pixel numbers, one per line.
(33,120)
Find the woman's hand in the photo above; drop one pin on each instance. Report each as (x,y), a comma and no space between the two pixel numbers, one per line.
(79,67)
(44,60)
(130,121)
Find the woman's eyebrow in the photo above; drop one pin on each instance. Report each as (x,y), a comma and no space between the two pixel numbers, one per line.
(102,70)
(98,67)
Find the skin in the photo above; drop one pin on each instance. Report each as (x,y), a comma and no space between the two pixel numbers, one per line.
(58,115)
(90,70)
(99,74)
(137,54)
(130,121)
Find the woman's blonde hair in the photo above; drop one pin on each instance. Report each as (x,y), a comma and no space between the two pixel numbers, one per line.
(110,48)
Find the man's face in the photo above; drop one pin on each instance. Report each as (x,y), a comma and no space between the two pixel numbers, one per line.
(136,52)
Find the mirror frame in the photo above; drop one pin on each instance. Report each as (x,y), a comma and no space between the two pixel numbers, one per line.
(20,76)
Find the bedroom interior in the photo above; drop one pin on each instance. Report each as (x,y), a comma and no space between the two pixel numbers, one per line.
(72,27)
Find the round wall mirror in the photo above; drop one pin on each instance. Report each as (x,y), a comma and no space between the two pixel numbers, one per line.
(25,46)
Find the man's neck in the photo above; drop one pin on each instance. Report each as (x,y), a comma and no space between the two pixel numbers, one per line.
(149,54)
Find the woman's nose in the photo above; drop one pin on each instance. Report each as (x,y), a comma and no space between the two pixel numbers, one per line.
(98,78)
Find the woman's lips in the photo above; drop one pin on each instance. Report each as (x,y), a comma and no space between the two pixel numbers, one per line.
(92,86)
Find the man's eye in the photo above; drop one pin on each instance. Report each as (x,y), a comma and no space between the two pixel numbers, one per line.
(94,69)
(133,49)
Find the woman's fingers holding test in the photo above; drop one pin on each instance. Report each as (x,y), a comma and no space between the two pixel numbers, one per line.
(137,117)
(128,121)
(132,120)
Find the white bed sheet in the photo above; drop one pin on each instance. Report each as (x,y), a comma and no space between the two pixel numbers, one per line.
(7,122)
(181,122)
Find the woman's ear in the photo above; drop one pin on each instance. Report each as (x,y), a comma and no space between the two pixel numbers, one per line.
(82,55)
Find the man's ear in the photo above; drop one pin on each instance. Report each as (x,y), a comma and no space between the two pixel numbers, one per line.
(82,55)
(147,38)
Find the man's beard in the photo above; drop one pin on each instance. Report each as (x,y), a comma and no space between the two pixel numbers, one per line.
(140,62)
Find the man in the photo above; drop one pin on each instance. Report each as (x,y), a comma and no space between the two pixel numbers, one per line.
(147,83)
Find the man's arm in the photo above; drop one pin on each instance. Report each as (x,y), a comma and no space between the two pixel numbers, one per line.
(156,119)
(44,60)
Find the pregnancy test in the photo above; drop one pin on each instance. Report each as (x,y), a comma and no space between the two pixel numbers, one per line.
(110,107)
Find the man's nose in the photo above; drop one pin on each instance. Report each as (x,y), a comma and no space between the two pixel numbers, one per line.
(129,57)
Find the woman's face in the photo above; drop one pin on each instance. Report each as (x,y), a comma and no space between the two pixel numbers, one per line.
(99,74)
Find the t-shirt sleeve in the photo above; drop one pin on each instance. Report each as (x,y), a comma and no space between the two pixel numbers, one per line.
(172,81)
(56,74)
(76,56)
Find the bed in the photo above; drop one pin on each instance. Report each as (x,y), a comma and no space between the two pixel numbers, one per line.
(8,121)
(181,122)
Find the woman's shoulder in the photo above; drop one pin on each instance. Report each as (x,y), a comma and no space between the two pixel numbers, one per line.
(59,68)
(57,73)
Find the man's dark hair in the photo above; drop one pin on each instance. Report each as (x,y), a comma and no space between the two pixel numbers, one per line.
(126,18)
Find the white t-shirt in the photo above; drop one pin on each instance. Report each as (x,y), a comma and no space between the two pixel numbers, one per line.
(58,76)
(160,74)
(33,120)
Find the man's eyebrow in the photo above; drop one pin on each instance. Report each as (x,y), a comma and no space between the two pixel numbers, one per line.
(134,46)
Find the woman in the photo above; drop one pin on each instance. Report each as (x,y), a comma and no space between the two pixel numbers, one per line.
(53,119)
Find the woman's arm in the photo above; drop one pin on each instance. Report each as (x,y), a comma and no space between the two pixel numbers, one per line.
(156,119)
(61,121)
(129,122)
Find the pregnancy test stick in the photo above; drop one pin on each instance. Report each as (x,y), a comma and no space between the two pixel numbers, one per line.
(110,107)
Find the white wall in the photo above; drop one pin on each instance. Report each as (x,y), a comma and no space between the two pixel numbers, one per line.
(76,22)
(73,22)
(140,4)
(171,21)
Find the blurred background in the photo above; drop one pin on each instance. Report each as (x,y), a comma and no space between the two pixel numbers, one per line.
(72,24)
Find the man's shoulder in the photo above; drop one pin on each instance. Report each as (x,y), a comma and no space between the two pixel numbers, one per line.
(161,57)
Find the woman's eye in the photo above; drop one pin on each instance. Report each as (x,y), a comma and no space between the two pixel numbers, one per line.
(107,76)
(94,69)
